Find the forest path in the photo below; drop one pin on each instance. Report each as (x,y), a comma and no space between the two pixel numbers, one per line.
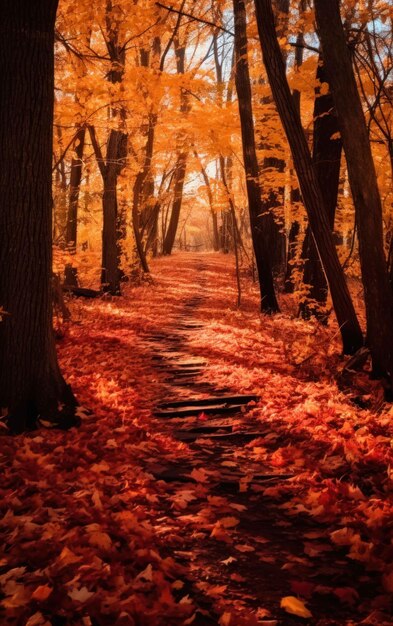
(242,550)
(155,514)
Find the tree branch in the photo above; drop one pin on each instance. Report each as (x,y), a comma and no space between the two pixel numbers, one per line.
(97,151)
(196,19)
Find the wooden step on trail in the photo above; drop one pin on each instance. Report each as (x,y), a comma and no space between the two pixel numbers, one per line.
(189,411)
(236,437)
(239,400)
(225,480)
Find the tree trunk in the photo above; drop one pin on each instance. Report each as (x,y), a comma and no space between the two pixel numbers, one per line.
(363,182)
(327,159)
(137,194)
(216,238)
(71,273)
(294,231)
(277,243)
(180,174)
(31,385)
(259,222)
(181,164)
(308,180)
(111,230)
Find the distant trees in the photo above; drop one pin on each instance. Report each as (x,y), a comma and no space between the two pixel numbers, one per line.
(31,385)
(166,78)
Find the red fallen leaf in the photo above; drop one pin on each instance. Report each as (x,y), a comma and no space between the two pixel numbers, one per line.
(203,417)
(302,588)
(42,593)
(348,595)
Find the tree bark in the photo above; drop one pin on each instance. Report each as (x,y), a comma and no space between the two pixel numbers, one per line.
(71,272)
(327,159)
(216,237)
(31,385)
(363,182)
(178,185)
(259,221)
(294,231)
(312,196)
(110,169)
(181,164)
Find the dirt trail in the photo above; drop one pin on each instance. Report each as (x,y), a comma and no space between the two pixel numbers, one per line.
(241,549)
(219,470)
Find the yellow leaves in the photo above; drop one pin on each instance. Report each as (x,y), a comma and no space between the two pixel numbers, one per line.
(294,606)
(324,89)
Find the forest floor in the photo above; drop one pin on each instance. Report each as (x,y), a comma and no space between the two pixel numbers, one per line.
(275,512)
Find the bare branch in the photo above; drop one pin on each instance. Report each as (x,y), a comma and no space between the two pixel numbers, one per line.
(195,19)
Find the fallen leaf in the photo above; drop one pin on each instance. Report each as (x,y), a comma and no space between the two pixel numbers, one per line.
(42,593)
(294,606)
(80,595)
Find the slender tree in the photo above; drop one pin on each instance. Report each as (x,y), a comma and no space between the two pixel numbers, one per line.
(308,180)
(31,385)
(71,272)
(259,222)
(327,148)
(364,187)
(181,162)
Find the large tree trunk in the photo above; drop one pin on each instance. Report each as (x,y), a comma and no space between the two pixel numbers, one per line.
(71,272)
(308,180)
(260,224)
(327,148)
(363,181)
(31,385)
(276,238)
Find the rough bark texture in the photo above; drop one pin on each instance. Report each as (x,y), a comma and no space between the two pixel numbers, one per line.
(363,181)
(275,226)
(110,169)
(327,159)
(31,384)
(269,302)
(308,180)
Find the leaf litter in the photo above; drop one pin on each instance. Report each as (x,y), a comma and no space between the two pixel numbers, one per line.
(90,535)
